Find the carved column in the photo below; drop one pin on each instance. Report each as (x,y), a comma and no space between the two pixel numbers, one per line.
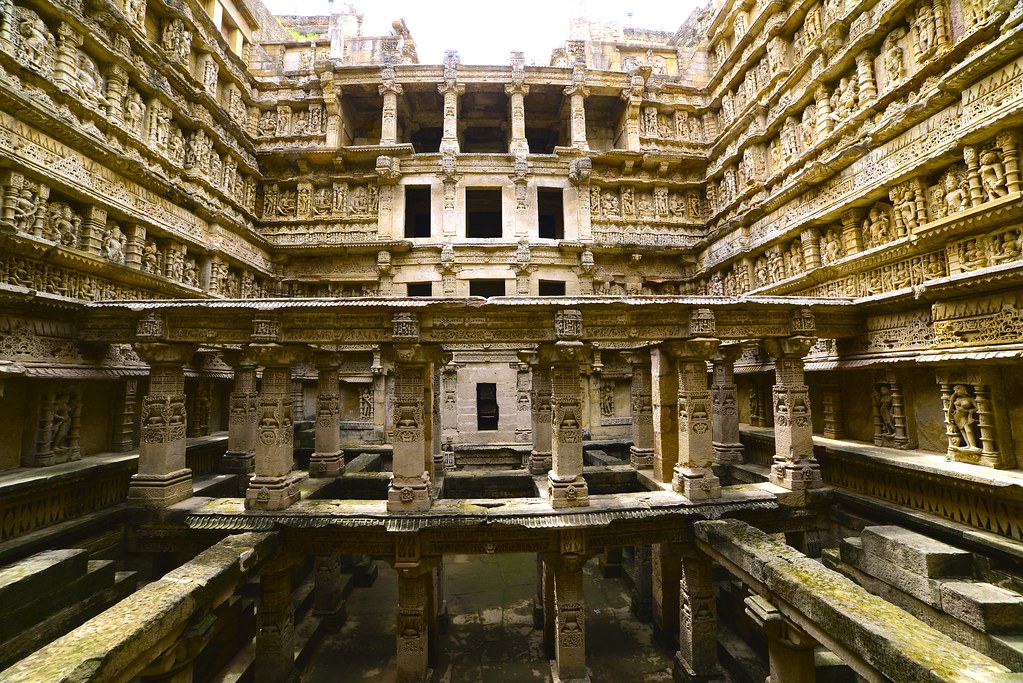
(664,409)
(697,657)
(789,648)
(902,439)
(665,574)
(811,241)
(565,484)
(410,489)
(834,418)
(825,124)
(852,231)
(1010,160)
(728,450)
(540,410)
(414,583)
(693,476)
(124,427)
(136,244)
(275,625)
(794,467)
(328,597)
(328,460)
(973,175)
(517,93)
(550,631)
(163,479)
(389,122)
(273,487)
(577,114)
(449,141)
(65,66)
(642,582)
(865,77)
(94,226)
(117,88)
(570,620)
(332,102)
(241,425)
(641,453)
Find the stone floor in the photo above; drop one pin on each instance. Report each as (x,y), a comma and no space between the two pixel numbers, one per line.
(491,637)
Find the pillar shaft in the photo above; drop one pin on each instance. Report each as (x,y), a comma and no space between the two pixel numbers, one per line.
(697,658)
(642,582)
(412,629)
(328,591)
(241,426)
(789,648)
(272,487)
(570,642)
(664,406)
(517,96)
(693,476)
(641,453)
(275,625)
(389,115)
(794,467)
(540,457)
(449,139)
(328,459)
(665,576)
(163,478)
(566,486)
(727,447)
(410,485)
(577,113)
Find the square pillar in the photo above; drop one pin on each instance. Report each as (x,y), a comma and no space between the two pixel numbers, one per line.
(410,489)
(451,90)
(328,594)
(697,657)
(577,94)
(642,582)
(641,453)
(328,460)
(795,467)
(666,568)
(789,648)
(725,395)
(664,410)
(412,629)
(273,487)
(124,426)
(389,121)
(569,665)
(240,457)
(550,631)
(516,94)
(693,476)
(275,625)
(163,479)
(540,413)
(565,484)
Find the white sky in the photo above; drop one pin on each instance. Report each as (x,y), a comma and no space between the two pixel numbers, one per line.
(485,31)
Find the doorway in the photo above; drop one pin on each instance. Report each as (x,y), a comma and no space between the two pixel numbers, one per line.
(486,407)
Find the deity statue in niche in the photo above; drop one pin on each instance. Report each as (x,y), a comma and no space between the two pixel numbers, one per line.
(905,205)
(36,41)
(114,244)
(878,226)
(956,191)
(1006,247)
(134,111)
(992,175)
(962,415)
(831,246)
(893,59)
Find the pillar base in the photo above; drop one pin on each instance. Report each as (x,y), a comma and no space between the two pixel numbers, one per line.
(680,673)
(641,458)
(539,463)
(238,462)
(324,465)
(409,495)
(271,493)
(556,677)
(564,494)
(729,453)
(439,466)
(696,483)
(160,490)
(798,475)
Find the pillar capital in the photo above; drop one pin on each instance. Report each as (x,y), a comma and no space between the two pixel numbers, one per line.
(789,347)
(278,355)
(689,350)
(451,88)
(164,353)
(516,89)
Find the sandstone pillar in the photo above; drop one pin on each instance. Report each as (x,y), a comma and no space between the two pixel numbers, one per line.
(642,582)
(241,426)
(540,413)
(570,620)
(275,625)
(697,658)
(517,94)
(641,453)
(565,484)
(328,460)
(834,421)
(693,476)
(328,599)
(410,489)
(727,448)
(666,568)
(664,409)
(389,118)
(272,487)
(794,467)
(412,630)
(550,631)
(124,426)
(789,648)
(577,114)
(163,479)
(449,140)
(811,241)
(865,77)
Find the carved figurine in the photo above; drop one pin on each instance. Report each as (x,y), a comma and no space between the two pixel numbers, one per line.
(992,175)
(36,41)
(885,403)
(134,111)
(114,244)
(962,414)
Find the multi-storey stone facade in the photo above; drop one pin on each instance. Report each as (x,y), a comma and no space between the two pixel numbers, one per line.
(768,266)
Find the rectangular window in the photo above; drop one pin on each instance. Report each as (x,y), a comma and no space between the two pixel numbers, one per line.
(486,287)
(550,209)
(419,289)
(552,288)
(417,211)
(487,414)
(483,213)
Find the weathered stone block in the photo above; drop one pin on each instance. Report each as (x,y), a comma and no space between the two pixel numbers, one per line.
(916,552)
(984,606)
(23,582)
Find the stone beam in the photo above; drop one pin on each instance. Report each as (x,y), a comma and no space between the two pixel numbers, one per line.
(875,638)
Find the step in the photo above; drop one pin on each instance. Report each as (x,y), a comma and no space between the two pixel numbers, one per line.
(27,580)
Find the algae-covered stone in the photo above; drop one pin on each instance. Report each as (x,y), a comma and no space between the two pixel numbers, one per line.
(984,606)
(916,552)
